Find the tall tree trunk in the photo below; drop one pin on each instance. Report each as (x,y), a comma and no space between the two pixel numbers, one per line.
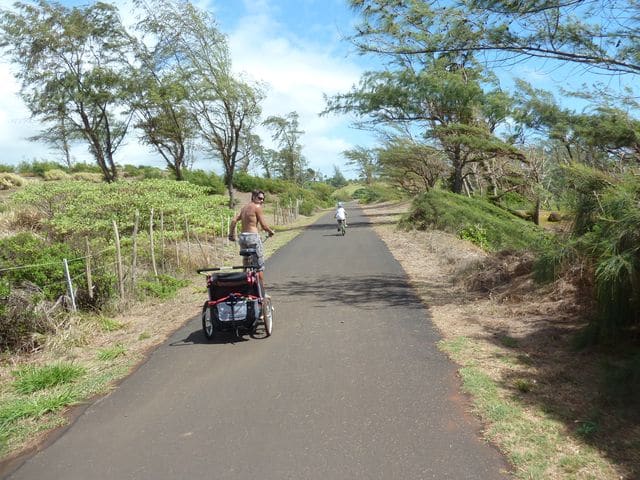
(536,212)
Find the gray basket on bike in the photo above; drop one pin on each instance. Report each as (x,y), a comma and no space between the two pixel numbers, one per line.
(233,299)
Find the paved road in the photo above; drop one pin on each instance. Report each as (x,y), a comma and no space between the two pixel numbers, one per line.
(350,386)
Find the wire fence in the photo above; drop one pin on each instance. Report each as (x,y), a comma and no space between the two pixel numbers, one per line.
(124,261)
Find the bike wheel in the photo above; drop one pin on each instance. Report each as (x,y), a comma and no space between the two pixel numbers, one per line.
(343,230)
(267,315)
(207,321)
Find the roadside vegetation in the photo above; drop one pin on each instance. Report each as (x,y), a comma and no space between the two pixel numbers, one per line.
(549,194)
(52,356)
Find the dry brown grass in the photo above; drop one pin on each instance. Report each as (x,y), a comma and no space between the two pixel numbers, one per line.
(521,335)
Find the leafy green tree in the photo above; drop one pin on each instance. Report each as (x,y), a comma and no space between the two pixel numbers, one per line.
(444,99)
(592,33)
(414,167)
(290,163)
(223,107)
(159,101)
(365,162)
(337,180)
(604,136)
(73,67)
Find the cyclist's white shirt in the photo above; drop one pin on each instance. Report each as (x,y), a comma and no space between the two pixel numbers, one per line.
(341,214)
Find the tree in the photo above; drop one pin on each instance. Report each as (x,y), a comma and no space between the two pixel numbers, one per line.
(59,136)
(73,68)
(604,136)
(365,162)
(415,167)
(223,107)
(597,34)
(159,102)
(337,180)
(290,163)
(443,98)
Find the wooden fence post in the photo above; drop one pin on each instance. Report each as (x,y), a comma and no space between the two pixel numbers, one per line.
(186,229)
(175,230)
(162,262)
(87,267)
(119,261)
(134,253)
(151,243)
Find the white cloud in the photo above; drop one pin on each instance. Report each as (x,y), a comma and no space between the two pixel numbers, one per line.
(298,74)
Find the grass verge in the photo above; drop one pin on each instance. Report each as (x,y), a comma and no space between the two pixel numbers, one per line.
(533,440)
(90,355)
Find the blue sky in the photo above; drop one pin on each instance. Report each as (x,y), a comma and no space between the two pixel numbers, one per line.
(297,48)
(294,46)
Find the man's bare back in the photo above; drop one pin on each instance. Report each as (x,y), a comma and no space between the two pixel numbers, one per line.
(251,216)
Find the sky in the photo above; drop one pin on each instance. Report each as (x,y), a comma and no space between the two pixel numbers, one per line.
(296,47)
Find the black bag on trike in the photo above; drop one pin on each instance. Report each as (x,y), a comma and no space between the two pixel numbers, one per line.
(234,300)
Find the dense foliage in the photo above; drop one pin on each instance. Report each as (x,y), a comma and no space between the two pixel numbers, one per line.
(473,218)
(71,209)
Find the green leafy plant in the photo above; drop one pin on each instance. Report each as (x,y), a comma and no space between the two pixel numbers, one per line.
(32,378)
(112,353)
(475,234)
(47,271)
(164,286)
(451,212)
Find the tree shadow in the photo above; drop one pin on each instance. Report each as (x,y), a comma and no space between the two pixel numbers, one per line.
(551,376)
(368,292)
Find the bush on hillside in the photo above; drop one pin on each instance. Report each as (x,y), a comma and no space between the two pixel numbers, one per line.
(20,319)
(38,168)
(55,174)
(212,182)
(455,213)
(45,263)
(377,193)
(10,180)
(88,177)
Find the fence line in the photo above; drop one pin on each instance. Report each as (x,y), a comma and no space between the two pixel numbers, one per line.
(171,246)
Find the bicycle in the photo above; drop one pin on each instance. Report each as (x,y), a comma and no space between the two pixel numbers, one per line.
(342,228)
(237,301)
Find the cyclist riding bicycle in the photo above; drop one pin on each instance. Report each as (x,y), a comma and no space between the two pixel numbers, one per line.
(341,215)
(251,216)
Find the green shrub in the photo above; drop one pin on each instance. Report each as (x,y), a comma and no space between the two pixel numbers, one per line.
(83,208)
(7,168)
(88,177)
(211,181)
(453,213)
(164,286)
(39,168)
(45,260)
(86,168)
(306,208)
(377,193)
(55,174)
(144,172)
(19,319)
(31,379)
(475,234)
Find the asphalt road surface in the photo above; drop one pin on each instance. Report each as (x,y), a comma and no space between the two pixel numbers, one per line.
(350,386)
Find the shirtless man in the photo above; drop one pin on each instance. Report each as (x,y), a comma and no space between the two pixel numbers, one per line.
(251,216)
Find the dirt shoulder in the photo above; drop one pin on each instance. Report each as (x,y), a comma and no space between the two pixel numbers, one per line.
(514,338)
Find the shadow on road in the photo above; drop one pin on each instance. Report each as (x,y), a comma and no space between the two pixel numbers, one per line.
(367,292)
